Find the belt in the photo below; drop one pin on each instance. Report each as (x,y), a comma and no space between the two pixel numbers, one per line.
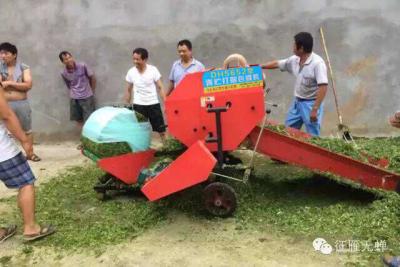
(304,99)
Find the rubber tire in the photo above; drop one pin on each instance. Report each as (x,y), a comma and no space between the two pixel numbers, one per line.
(225,193)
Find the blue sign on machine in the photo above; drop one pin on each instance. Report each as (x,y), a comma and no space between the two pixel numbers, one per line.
(232,79)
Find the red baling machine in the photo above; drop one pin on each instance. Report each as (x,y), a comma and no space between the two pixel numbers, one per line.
(212,113)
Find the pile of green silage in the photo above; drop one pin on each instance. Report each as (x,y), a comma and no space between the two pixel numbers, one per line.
(388,148)
(171,147)
(361,149)
(104,150)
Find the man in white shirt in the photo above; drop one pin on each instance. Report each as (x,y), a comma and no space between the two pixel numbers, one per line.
(144,80)
(310,86)
(16,173)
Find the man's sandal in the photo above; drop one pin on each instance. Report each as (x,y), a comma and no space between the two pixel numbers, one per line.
(7,232)
(35,158)
(43,232)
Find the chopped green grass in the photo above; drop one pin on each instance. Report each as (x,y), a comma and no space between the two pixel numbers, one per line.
(69,202)
(280,198)
(4,261)
(297,202)
(140,117)
(383,148)
(361,149)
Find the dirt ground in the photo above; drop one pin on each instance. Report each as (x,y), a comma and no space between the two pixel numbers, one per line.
(181,241)
(55,157)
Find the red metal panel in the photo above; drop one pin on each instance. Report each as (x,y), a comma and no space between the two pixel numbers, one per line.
(191,168)
(294,151)
(188,120)
(127,167)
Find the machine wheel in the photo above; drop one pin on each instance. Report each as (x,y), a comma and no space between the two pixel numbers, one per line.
(219,199)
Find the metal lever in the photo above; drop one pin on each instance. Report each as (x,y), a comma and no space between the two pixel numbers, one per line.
(218,139)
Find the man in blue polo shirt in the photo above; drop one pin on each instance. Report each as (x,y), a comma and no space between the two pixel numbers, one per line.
(186,64)
(310,86)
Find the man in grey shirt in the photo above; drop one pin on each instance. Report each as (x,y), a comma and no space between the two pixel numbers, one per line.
(310,86)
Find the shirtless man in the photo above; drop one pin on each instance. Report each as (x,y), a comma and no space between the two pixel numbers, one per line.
(17,81)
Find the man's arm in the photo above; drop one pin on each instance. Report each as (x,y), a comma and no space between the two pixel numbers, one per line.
(92,79)
(10,119)
(270,65)
(160,88)
(128,93)
(320,97)
(66,82)
(321,75)
(170,87)
(92,82)
(24,86)
(171,84)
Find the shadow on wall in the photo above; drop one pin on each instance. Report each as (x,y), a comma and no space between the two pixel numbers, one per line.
(351,109)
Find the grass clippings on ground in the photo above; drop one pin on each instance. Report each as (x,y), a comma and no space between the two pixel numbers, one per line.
(280,198)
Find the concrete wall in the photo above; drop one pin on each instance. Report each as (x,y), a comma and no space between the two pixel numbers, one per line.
(362,37)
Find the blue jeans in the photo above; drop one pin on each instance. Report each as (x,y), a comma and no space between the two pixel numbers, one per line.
(299,114)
